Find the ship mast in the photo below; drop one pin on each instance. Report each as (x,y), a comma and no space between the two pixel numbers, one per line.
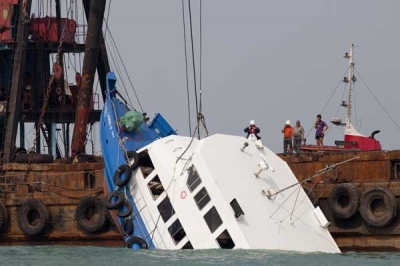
(350,79)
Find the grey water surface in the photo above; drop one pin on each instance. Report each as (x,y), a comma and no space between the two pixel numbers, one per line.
(102,256)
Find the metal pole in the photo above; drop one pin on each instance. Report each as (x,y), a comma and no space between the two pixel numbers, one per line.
(22,134)
(94,32)
(319,172)
(103,65)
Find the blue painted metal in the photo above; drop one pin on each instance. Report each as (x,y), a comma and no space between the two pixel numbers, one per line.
(113,155)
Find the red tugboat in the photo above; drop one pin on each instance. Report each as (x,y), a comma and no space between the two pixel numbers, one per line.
(49,194)
(355,183)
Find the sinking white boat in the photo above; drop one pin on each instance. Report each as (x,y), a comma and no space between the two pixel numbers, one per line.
(176,192)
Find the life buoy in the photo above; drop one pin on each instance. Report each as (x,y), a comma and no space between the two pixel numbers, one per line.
(3,217)
(122,175)
(33,217)
(114,200)
(127,227)
(91,215)
(133,159)
(378,207)
(125,211)
(136,240)
(311,195)
(343,201)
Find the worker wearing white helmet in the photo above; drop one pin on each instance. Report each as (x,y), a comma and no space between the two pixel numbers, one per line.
(252,129)
(287,138)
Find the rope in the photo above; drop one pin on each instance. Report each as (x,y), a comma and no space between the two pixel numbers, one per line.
(115,62)
(190,143)
(201,55)
(288,197)
(376,98)
(203,122)
(326,188)
(294,206)
(186,67)
(120,142)
(355,105)
(123,64)
(320,172)
(108,15)
(330,97)
(194,67)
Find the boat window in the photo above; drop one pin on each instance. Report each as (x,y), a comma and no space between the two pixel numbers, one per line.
(236,208)
(145,163)
(193,179)
(176,231)
(202,198)
(225,241)
(188,245)
(166,210)
(213,219)
(155,186)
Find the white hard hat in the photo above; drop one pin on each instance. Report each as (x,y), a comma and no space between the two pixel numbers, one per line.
(252,122)
(287,122)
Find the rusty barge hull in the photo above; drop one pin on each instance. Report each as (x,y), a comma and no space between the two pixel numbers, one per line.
(62,188)
(368,170)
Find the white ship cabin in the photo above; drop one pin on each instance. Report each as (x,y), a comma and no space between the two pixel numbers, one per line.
(211,193)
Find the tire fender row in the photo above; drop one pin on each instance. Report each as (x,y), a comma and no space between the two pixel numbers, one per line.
(123,208)
(377,206)
(34,217)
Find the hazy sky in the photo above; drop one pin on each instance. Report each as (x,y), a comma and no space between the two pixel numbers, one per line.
(264,60)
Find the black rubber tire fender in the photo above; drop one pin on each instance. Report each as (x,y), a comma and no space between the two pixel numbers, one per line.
(34,158)
(124,171)
(137,240)
(33,217)
(91,215)
(343,201)
(127,227)
(378,207)
(126,210)
(3,217)
(133,159)
(119,200)
(311,195)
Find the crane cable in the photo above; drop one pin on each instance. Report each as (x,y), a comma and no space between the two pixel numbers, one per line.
(376,98)
(194,68)
(330,97)
(186,67)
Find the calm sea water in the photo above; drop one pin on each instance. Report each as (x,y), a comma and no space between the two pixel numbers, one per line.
(96,256)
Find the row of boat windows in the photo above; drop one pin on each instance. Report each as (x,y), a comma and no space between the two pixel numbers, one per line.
(201,198)
(212,217)
(164,207)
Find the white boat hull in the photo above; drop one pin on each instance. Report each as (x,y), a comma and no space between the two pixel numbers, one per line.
(228,172)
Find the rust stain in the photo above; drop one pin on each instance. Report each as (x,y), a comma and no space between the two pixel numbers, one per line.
(61,187)
(370,170)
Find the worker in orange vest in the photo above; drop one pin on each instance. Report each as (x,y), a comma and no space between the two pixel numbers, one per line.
(287,138)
